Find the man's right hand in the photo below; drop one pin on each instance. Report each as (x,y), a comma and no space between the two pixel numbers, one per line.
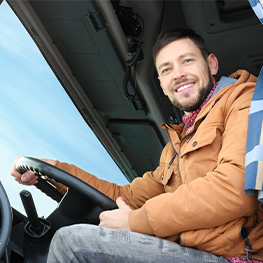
(27,178)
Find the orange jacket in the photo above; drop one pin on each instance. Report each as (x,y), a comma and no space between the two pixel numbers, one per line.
(198,199)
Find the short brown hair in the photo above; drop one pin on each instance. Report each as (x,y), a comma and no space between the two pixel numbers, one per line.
(173,34)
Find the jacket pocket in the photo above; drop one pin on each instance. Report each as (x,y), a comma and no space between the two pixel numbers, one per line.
(164,175)
(202,138)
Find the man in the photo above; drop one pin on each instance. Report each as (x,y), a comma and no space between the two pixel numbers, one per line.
(195,197)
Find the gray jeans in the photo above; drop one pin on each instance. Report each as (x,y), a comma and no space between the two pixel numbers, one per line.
(88,243)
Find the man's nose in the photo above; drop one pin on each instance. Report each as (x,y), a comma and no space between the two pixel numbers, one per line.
(179,73)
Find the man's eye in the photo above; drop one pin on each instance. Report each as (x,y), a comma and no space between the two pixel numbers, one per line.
(187,61)
(165,70)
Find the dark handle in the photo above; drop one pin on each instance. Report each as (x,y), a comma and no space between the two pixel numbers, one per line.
(30,209)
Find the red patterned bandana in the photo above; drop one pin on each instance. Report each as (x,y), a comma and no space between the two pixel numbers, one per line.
(189,120)
(242,260)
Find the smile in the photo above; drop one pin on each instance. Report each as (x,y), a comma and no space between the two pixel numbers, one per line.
(185,87)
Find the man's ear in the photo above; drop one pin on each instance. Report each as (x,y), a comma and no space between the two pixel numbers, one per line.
(162,87)
(213,64)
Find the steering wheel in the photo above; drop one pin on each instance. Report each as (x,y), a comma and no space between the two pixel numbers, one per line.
(81,204)
(41,168)
(6,220)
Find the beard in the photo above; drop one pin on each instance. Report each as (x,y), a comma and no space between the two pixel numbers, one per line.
(201,96)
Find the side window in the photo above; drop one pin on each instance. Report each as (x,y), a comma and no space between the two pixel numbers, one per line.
(37,118)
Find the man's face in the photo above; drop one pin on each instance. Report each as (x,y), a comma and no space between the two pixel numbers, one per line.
(185,76)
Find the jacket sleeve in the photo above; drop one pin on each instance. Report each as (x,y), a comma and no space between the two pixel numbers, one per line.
(110,189)
(134,194)
(212,200)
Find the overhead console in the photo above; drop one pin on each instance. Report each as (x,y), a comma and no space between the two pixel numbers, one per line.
(221,15)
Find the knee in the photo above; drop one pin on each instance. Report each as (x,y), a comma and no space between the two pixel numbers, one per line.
(57,246)
(58,242)
(66,238)
(60,235)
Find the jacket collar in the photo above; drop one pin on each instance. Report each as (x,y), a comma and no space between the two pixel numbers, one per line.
(224,81)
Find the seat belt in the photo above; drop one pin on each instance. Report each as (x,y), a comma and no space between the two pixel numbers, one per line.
(254,147)
(257,6)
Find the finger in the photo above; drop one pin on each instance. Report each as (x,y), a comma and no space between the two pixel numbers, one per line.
(14,171)
(28,176)
(30,182)
(120,202)
(27,183)
(101,217)
(16,174)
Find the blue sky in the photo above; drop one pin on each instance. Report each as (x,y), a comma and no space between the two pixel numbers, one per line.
(37,117)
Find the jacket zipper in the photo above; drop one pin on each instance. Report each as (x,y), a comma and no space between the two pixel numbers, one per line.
(178,154)
(244,234)
(175,153)
(192,133)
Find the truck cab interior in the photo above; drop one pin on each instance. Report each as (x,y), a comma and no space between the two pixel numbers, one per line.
(101,53)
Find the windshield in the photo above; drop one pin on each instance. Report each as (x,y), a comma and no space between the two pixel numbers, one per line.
(37,117)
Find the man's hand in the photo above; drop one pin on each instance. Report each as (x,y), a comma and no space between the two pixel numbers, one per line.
(27,178)
(118,218)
